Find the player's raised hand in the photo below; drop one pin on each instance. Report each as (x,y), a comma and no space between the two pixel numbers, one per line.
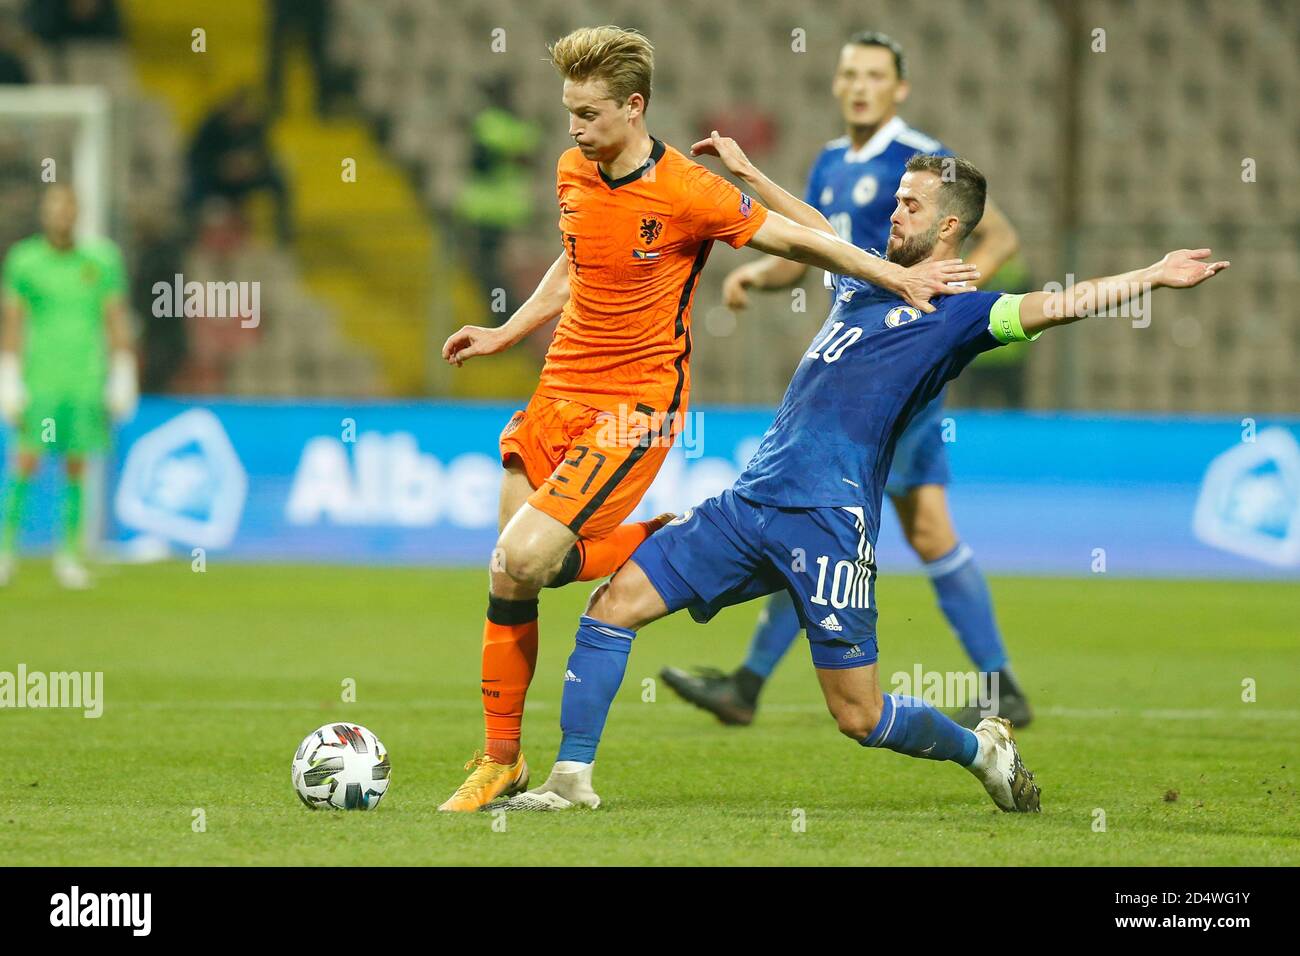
(472,340)
(1184,268)
(13,395)
(920,283)
(122,389)
(734,286)
(727,150)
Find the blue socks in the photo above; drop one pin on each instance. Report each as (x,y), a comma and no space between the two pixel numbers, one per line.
(591,680)
(908,726)
(966,603)
(778,626)
(599,660)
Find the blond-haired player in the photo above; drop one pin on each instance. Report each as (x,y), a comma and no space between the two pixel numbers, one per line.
(637,222)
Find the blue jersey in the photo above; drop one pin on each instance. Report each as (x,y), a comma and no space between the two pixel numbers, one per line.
(854,188)
(875,363)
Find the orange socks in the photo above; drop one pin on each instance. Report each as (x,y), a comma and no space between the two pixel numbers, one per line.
(596,558)
(509,658)
(510,634)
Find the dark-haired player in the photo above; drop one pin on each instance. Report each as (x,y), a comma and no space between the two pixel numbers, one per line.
(852,184)
(816,485)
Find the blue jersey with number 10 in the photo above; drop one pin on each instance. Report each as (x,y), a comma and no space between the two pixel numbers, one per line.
(876,362)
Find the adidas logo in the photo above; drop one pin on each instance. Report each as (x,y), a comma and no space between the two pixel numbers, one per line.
(853,652)
(831,623)
(570,676)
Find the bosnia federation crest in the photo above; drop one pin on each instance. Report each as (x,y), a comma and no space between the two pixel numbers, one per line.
(650,229)
(864,190)
(901,315)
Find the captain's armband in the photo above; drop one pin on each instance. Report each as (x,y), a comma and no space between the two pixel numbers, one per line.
(1004,321)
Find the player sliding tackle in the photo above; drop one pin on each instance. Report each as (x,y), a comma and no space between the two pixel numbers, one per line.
(804,514)
(637,220)
(852,184)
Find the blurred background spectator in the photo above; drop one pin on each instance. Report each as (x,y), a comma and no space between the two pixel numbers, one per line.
(55,21)
(498,196)
(307,21)
(13,52)
(230,158)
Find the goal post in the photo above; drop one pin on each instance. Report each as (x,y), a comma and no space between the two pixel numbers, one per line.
(70,120)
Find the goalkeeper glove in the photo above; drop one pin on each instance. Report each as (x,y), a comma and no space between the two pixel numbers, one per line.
(13,396)
(122,393)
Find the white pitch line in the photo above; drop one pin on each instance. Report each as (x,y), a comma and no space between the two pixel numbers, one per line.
(340,711)
(1248,711)
(1093,713)
(337,711)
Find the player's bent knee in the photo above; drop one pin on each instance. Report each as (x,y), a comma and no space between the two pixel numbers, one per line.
(856,720)
(931,543)
(626,600)
(531,548)
(598,604)
(525,566)
(503,585)
(921,533)
(530,571)
(612,604)
(929,529)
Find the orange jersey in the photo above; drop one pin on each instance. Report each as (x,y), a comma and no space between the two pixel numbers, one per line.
(636,246)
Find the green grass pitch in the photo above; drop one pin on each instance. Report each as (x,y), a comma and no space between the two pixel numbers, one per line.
(212,679)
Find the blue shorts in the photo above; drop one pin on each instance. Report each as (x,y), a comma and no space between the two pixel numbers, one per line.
(730,550)
(920,457)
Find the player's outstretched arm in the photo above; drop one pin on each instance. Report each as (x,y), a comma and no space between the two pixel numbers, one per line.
(915,285)
(771,272)
(768,274)
(546,302)
(768,192)
(1180,269)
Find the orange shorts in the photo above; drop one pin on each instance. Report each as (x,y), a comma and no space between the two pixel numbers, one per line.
(589,468)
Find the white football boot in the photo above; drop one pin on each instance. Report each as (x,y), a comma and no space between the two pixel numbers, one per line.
(567,788)
(1001,770)
(71,573)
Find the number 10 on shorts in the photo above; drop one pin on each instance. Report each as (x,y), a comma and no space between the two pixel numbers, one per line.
(849,582)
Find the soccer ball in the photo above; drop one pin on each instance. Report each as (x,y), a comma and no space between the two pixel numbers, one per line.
(341,766)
